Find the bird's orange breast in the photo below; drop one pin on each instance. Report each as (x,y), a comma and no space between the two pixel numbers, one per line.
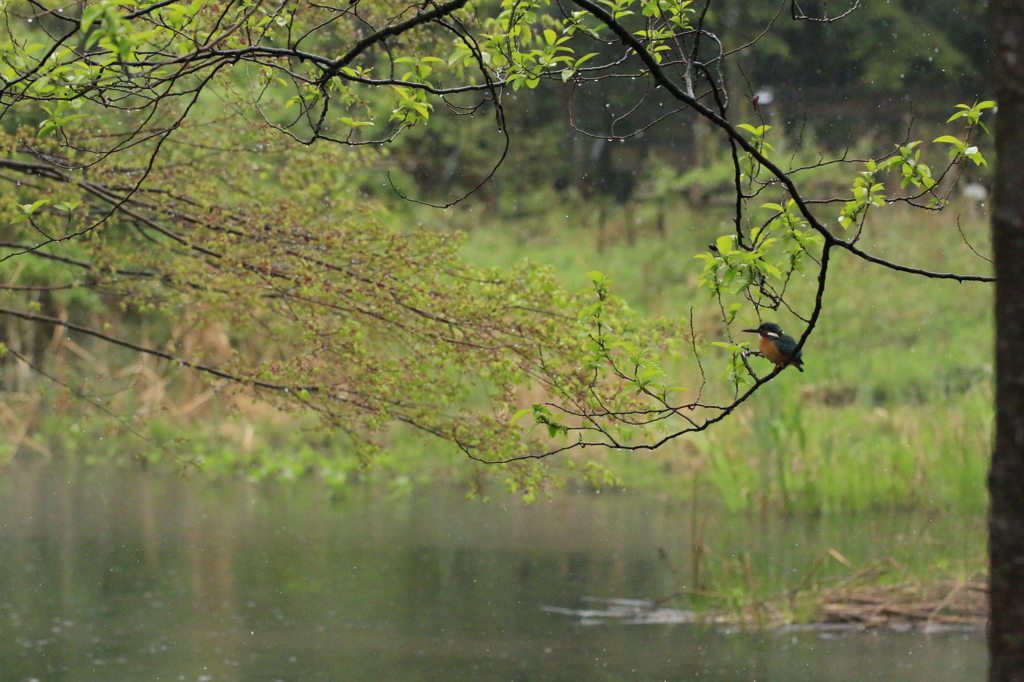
(771,351)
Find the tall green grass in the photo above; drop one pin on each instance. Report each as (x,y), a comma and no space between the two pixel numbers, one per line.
(793,456)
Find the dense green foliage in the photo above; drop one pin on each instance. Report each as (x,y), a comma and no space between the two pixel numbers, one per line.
(201,184)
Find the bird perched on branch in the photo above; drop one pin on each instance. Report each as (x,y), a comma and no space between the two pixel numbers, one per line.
(778,347)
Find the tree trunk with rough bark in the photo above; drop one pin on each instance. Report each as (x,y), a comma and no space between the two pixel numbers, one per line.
(1006,478)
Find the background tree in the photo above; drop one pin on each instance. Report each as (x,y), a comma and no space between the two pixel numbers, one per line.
(1006,520)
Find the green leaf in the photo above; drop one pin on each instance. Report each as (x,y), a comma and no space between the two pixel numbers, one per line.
(29,209)
(349,121)
(520,414)
(68,206)
(89,15)
(630,348)
(974,155)
(649,374)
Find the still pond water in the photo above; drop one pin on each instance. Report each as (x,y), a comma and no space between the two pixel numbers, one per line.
(127,575)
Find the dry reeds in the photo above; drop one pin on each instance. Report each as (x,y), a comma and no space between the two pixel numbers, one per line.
(948,602)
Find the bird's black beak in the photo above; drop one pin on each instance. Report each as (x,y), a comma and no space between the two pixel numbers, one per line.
(756,331)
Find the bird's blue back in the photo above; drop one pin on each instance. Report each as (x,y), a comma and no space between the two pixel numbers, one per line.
(786,345)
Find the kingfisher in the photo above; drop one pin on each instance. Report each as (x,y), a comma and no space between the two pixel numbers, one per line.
(777,346)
